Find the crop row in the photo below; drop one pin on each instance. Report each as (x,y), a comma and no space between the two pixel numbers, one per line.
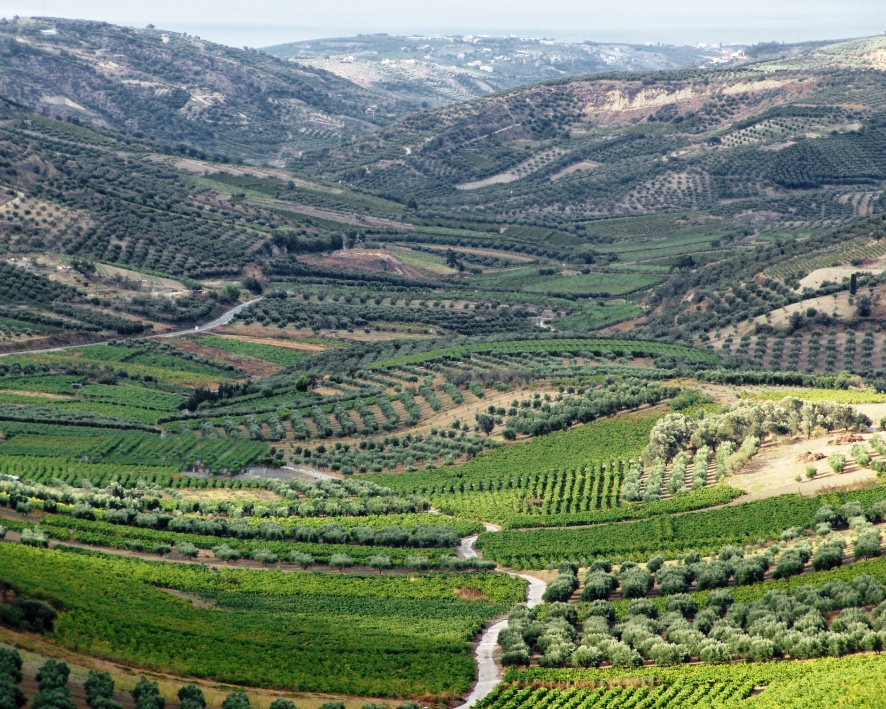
(383,636)
(636,347)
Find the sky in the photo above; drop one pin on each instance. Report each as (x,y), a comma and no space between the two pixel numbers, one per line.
(261,23)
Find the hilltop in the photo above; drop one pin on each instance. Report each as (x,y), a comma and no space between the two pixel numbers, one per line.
(177,88)
(440,70)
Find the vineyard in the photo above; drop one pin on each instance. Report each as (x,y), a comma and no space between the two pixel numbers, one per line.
(596,346)
(30,442)
(705,531)
(816,684)
(282,356)
(379,636)
(621,334)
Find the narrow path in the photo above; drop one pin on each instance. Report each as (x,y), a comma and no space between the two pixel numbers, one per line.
(489,674)
(218,322)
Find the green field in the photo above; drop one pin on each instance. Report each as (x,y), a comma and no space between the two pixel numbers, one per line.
(283,356)
(379,636)
(574,345)
(853,681)
(705,531)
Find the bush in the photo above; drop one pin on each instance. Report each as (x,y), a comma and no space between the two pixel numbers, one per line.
(655,563)
(867,544)
(147,695)
(672,579)
(643,606)
(191,697)
(417,563)
(712,575)
(748,572)
(665,654)
(682,603)
(715,652)
(187,549)
(720,600)
(586,656)
(28,615)
(561,588)
(264,556)
(236,700)
(225,553)
(828,556)
(598,586)
(380,562)
(789,563)
(34,537)
(340,561)
(299,558)
(602,609)
(519,657)
(837,461)
(635,583)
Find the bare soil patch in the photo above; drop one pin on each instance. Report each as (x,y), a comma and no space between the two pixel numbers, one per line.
(775,468)
(583,165)
(369,261)
(835,274)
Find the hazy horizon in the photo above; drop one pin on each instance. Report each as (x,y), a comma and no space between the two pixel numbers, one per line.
(635,21)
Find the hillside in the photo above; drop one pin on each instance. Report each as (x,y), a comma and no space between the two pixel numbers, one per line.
(440,70)
(750,141)
(180,89)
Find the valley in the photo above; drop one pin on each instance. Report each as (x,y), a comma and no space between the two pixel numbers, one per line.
(348,374)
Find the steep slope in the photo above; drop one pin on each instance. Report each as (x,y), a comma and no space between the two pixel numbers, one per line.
(177,88)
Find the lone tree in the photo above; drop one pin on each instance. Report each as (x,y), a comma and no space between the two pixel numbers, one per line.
(486,423)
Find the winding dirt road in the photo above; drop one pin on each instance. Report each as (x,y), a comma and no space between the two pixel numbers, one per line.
(489,674)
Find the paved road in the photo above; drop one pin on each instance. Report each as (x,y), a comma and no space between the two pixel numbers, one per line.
(218,322)
(488,670)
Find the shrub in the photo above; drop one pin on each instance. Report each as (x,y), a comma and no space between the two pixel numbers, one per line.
(225,553)
(828,556)
(720,600)
(417,563)
(340,561)
(664,654)
(299,558)
(867,544)
(682,603)
(715,652)
(35,537)
(655,563)
(236,700)
(643,606)
(380,562)
(635,583)
(749,571)
(598,586)
(27,615)
(789,563)
(586,656)
(837,461)
(672,579)
(712,575)
(264,556)
(187,549)
(561,588)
